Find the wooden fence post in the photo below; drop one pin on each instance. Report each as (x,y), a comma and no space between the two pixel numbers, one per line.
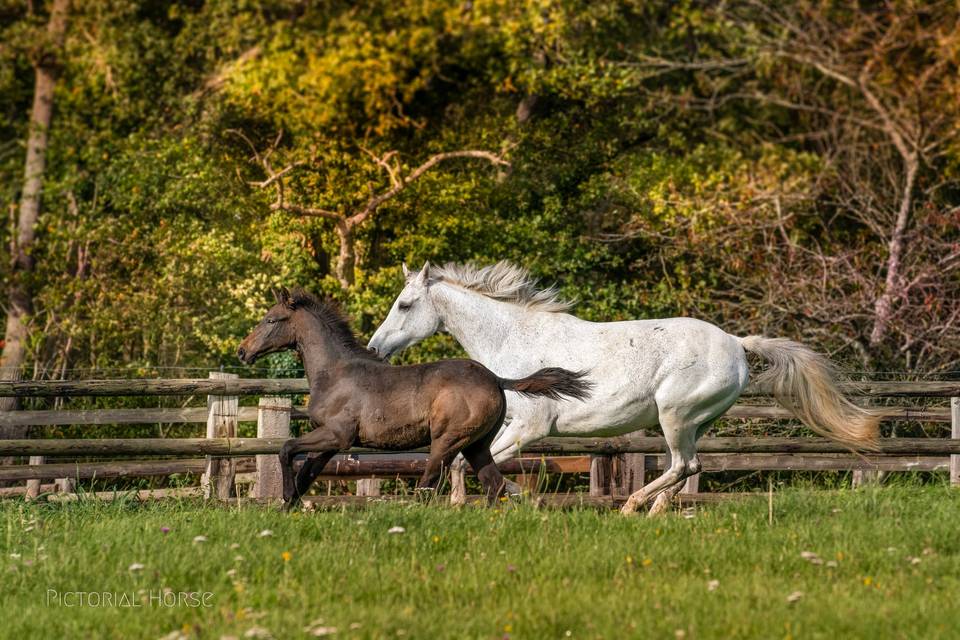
(33,486)
(864,477)
(369,487)
(955,433)
(628,471)
(273,421)
(600,476)
(221,423)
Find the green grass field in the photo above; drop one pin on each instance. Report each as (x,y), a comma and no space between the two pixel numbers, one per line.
(887,565)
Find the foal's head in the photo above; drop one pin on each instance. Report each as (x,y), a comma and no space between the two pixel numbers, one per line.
(274,333)
(286,326)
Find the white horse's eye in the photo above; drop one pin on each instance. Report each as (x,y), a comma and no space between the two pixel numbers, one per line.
(404,306)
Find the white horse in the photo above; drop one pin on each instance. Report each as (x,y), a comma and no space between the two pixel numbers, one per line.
(680,373)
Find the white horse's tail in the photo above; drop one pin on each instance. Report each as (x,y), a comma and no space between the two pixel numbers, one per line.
(804,382)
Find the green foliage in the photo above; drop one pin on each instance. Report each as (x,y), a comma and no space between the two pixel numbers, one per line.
(632,184)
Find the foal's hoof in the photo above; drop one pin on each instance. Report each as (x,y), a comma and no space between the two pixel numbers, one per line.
(512,488)
(289,505)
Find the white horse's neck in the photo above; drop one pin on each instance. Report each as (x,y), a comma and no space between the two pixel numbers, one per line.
(480,324)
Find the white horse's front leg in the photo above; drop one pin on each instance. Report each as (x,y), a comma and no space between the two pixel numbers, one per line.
(458,481)
(509,444)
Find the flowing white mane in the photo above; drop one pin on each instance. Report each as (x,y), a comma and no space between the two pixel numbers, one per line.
(503,281)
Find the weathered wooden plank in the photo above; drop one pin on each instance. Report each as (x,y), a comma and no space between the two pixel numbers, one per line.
(609,446)
(260,386)
(809,462)
(769,412)
(86,470)
(143,494)
(14,492)
(385,468)
(883,389)
(249,414)
(184,415)
(233,447)
(543,500)
(154,387)
(340,467)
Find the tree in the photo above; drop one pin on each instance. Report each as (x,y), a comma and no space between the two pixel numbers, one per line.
(894,71)
(46,64)
(347,221)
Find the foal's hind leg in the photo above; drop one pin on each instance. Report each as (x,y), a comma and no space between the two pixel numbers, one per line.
(442,452)
(681,437)
(480,459)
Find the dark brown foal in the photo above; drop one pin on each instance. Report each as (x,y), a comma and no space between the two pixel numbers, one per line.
(358,400)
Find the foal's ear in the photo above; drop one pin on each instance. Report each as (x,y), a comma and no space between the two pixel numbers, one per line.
(285,298)
(277,295)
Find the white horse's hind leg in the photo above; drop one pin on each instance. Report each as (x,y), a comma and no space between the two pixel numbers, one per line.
(681,438)
(514,436)
(662,504)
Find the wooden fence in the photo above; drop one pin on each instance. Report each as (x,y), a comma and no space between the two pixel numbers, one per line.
(617,466)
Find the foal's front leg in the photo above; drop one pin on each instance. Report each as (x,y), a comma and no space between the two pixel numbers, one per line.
(323,442)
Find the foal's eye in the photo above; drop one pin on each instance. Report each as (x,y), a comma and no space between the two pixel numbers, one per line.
(270,321)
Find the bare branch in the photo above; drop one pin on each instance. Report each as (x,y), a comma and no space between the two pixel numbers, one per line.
(374,203)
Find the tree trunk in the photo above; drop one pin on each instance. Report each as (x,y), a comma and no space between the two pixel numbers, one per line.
(347,258)
(883,309)
(20,305)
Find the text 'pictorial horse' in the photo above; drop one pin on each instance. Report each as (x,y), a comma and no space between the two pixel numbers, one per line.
(678,373)
(357,399)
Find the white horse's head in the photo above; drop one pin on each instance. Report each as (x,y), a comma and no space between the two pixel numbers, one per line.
(412,318)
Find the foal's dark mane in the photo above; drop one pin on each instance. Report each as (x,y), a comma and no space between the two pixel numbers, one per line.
(329,315)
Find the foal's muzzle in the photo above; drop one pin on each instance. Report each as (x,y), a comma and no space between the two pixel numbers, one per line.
(244,356)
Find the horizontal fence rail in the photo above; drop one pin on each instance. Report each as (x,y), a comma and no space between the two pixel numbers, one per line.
(249,414)
(237,447)
(273,386)
(407,468)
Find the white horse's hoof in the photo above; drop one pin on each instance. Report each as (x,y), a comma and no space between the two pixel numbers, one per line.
(660,506)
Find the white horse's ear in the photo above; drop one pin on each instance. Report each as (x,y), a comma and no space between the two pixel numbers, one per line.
(424,276)
(406,270)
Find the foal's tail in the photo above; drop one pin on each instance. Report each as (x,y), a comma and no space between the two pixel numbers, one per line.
(804,382)
(551,382)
